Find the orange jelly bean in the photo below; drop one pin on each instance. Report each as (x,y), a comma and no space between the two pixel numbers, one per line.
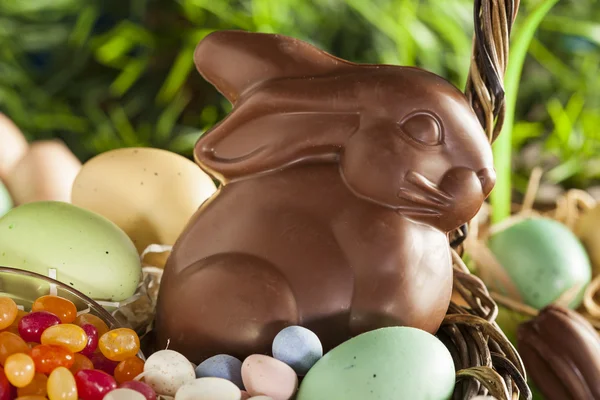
(70,336)
(91,319)
(8,312)
(61,385)
(119,344)
(128,369)
(49,357)
(37,387)
(81,362)
(11,344)
(14,327)
(32,398)
(62,308)
(19,369)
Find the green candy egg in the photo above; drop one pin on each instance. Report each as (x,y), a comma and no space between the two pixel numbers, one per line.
(388,363)
(6,202)
(544,259)
(89,252)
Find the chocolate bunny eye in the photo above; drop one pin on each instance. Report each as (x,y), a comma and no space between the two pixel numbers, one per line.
(423,127)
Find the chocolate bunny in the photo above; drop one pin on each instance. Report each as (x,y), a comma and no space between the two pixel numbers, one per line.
(340,183)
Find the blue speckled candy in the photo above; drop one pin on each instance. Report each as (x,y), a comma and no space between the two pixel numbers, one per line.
(298,347)
(222,366)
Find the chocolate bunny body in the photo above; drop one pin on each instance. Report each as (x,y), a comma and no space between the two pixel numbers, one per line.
(340,181)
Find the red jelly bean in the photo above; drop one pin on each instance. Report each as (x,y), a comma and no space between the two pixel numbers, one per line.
(34,324)
(48,357)
(6,391)
(92,343)
(102,363)
(93,384)
(140,387)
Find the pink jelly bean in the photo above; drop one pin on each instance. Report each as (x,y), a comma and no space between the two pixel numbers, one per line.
(93,384)
(92,343)
(35,323)
(140,387)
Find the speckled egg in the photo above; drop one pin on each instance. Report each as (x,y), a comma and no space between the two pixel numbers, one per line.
(298,347)
(6,202)
(166,371)
(265,375)
(87,251)
(150,193)
(221,366)
(388,363)
(544,259)
(209,389)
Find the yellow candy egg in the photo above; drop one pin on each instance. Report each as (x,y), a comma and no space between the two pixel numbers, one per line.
(149,193)
(61,385)
(69,336)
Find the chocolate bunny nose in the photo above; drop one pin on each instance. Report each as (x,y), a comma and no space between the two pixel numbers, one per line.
(487,177)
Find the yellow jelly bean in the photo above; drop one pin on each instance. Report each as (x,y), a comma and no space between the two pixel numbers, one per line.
(119,344)
(19,369)
(8,312)
(31,398)
(68,336)
(61,385)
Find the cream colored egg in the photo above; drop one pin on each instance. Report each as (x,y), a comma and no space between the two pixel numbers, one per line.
(45,173)
(150,193)
(13,146)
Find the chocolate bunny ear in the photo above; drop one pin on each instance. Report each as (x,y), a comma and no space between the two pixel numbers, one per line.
(234,61)
(243,146)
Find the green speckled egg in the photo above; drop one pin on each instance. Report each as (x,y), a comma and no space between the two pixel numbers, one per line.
(543,258)
(6,202)
(385,364)
(88,251)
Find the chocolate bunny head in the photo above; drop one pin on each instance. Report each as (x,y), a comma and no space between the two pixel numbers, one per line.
(404,138)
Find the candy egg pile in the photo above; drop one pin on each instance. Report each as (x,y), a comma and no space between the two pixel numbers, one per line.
(53,353)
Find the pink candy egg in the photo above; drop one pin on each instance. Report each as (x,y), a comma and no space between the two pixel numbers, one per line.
(263,375)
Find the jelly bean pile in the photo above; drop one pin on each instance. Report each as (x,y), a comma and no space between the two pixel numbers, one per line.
(52,353)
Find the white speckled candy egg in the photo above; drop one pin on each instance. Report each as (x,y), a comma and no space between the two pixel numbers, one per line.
(221,366)
(388,363)
(209,389)
(298,347)
(6,202)
(124,394)
(87,251)
(166,371)
(263,375)
(150,193)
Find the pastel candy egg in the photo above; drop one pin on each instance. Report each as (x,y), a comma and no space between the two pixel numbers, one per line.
(388,363)
(298,347)
(166,371)
(149,193)
(541,269)
(87,251)
(222,366)
(124,394)
(263,375)
(209,389)
(260,398)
